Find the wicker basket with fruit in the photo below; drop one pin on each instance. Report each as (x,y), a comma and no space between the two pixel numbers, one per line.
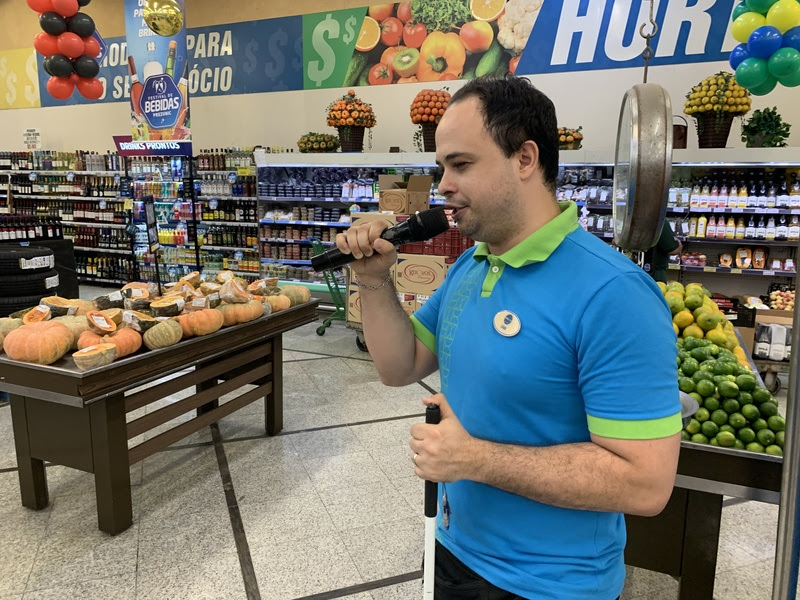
(426,111)
(569,139)
(351,115)
(318,142)
(713,103)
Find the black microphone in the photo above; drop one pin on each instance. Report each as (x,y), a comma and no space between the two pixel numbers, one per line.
(417,228)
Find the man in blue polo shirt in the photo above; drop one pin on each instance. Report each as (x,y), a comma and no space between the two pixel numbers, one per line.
(560,406)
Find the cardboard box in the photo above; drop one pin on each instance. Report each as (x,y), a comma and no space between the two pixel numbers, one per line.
(359,218)
(764,317)
(408,302)
(419,274)
(404,198)
(353,304)
(420,300)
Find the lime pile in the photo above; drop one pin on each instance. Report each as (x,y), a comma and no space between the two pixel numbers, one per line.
(735,412)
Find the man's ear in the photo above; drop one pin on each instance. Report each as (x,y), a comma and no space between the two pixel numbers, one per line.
(528,160)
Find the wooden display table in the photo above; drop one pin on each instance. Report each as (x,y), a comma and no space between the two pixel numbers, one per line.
(78,419)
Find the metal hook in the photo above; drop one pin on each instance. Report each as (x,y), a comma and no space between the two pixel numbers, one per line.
(653,23)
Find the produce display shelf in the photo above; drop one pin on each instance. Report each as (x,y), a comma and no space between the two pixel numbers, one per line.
(103,250)
(738,242)
(231,223)
(285,261)
(90,279)
(229,248)
(63,172)
(300,242)
(57,196)
(732,271)
(99,224)
(320,223)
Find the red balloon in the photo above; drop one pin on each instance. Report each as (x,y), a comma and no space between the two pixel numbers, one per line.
(91,47)
(45,44)
(91,89)
(74,78)
(70,45)
(41,6)
(66,8)
(60,88)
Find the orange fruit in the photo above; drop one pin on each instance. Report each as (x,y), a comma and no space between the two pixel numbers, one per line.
(487,10)
(369,36)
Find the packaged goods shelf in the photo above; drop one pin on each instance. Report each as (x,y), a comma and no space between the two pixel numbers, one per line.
(284,261)
(230,248)
(300,242)
(732,271)
(62,172)
(320,199)
(201,197)
(318,223)
(733,242)
(103,250)
(246,273)
(98,224)
(167,264)
(60,197)
(231,223)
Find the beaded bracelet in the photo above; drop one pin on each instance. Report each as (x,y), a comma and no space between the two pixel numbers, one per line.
(373,287)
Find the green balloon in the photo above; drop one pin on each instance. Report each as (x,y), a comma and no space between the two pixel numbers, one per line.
(740,9)
(765,88)
(783,62)
(761,6)
(792,80)
(752,72)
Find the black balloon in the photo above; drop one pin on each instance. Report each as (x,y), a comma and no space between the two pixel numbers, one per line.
(83,2)
(58,65)
(81,24)
(52,23)
(86,66)
(46,67)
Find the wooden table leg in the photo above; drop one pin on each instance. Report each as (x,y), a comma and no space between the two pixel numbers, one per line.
(701,542)
(112,478)
(32,476)
(273,403)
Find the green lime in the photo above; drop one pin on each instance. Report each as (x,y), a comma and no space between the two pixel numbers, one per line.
(720,417)
(751,412)
(745,398)
(779,437)
(697,397)
(776,423)
(726,439)
(761,395)
(685,384)
(738,444)
(705,387)
(768,409)
(754,447)
(700,375)
(690,366)
(728,389)
(711,404)
(685,437)
(709,429)
(730,405)
(774,450)
(693,427)
(699,438)
(708,367)
(765,437)
(759,424)
(727,428)
(737,420)
(714,441)
(700,354)
(746,383)
(723,368)
(747,435)
(702,415)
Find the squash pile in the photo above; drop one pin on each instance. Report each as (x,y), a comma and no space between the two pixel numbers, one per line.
(118,324)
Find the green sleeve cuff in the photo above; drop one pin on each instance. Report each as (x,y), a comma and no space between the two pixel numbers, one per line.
(646,429)
(423,335)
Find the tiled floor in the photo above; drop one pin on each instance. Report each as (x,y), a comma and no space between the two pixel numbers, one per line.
(329,505)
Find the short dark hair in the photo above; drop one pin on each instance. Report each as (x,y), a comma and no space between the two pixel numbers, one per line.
(514,111)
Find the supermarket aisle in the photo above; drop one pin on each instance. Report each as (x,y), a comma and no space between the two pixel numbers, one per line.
(328,509)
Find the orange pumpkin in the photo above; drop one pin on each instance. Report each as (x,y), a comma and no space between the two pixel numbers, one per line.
(100,322)
(88,338)
(201,322)
(298,294)
(126,340)
(37,315)
(278,302)
(43,343)
(240,313)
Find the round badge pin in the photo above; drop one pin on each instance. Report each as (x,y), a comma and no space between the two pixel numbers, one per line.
(507,324)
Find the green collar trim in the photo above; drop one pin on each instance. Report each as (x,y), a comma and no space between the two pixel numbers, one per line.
(538,246)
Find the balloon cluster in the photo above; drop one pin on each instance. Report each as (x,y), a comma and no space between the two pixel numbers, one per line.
(769,52)
(68,47)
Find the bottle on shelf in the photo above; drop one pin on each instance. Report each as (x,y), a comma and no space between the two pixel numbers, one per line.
(740,229)
(750,230)
(761,229)
(711,227)
(730,228)
(702,222)
(782,229)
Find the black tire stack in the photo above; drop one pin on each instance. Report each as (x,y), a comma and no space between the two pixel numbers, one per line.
(26,276)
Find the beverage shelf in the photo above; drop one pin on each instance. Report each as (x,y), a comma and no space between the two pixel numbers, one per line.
(229,248)
(284,261)
(103,250)
(58,196)
(90,279)
(231,223)
(61,172)
(320,223)
(203,196)
(98,224)
(300,242)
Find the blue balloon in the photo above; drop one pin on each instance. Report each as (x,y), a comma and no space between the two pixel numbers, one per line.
(738,54)
(764,41)
(791,39)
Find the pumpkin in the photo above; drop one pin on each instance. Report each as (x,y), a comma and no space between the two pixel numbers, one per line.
(88,338)
(298,294)
(232,293)
(35,315)
(224,276)
(77,325)
(126,340)
(257,288)
(59,307)
(19,314)
(100,322)
(96,356)
(163,334)
(192,279)
(279,302)
(168,306)
(115,314)
(84,307)
(203,302)
(151,287)
(8,324)
(43,343)
(201,322)
(210,287)
(138,320)
(241,313)
(106,301)
(242,283)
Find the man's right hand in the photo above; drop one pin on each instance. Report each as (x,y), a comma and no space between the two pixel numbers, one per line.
(374,255)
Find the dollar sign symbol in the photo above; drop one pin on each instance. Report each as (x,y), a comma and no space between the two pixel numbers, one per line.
(323,49)
(273,69)
(349,30)
(11,95)
(297,61)
(3,67)
(32,90)
(250,62)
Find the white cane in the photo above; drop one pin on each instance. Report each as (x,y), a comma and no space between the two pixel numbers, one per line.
(432,416)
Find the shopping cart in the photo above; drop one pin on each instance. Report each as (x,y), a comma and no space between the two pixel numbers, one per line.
(337,295)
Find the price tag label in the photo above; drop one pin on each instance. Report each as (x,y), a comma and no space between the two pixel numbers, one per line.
(33,176)
(737,210)
(769,272)
(736,271)
(244,171)
(709,269)
(102,204)
(772,211)
(70,176)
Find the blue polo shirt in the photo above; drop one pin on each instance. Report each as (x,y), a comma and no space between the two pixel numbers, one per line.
(594,352)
